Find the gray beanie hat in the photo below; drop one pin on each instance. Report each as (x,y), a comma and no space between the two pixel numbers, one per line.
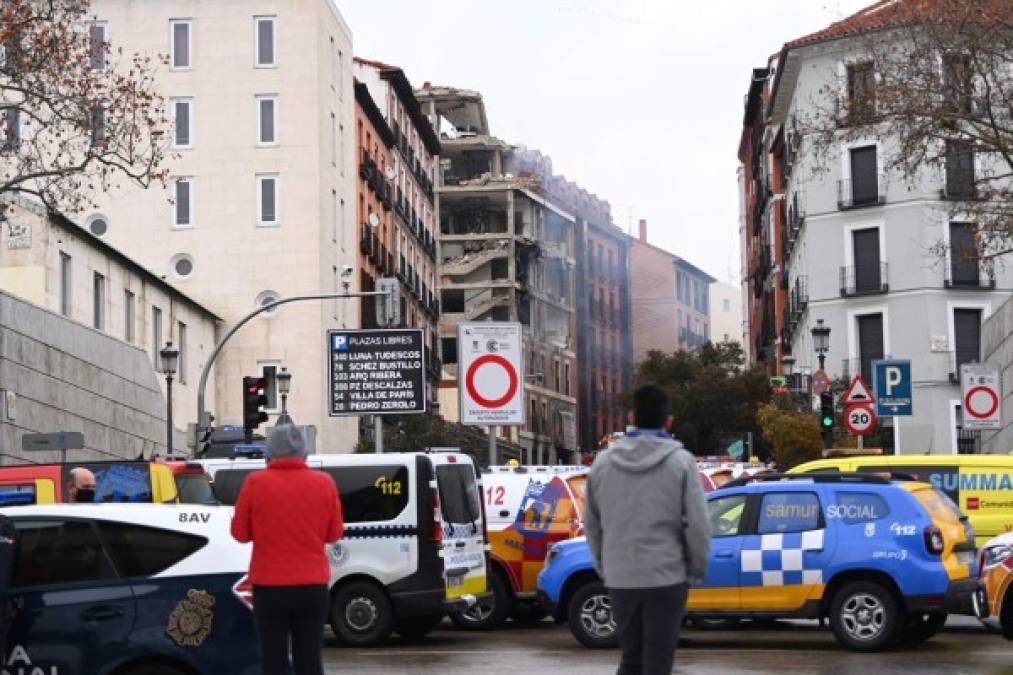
(286,440)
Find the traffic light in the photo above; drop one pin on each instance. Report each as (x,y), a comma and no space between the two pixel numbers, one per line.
(254,399)
(826,411)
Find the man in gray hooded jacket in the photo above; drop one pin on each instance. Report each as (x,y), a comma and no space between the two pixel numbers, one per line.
(649,533)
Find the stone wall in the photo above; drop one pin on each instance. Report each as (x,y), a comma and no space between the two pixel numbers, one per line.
(57,375)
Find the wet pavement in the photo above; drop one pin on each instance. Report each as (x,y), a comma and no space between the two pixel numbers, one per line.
(963,647)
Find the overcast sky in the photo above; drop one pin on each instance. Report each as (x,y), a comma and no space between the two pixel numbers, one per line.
(638,101)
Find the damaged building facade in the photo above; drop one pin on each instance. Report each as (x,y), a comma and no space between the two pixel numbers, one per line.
(508,252)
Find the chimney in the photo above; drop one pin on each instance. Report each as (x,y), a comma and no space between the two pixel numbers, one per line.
(643,230)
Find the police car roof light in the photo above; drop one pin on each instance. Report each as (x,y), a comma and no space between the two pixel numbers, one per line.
(252,450)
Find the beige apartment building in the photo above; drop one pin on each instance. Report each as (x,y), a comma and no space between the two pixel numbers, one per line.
(261,200)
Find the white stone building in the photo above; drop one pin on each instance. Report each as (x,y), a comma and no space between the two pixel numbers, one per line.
(261,200)
(725,312)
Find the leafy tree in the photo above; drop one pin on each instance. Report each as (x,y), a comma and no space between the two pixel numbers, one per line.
(713,393)
(936,77)
(794,436)
(418,432)
(76,116)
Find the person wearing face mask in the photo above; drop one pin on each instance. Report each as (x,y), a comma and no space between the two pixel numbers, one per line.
(81,486)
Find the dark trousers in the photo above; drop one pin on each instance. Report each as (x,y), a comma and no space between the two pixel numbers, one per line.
(648,622)
(290,612)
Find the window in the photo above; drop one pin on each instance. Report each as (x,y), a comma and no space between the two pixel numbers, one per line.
(964,261)
(864,177)
(98,125)
(958,82)
(959,170)
(726,305)
(12,129)
(97,46)
(726,515)
(181,345)
(269,370)
(566,378)
(341,140)
(141,551)
(129,316)
(266,298)
(336,220)
(267,200)
(228,483)
(966,336)
(448,350)
(179,41)
(65,284)
(156,333)
(267,111)
(266,41)
(858,507)
(372,493)
(59,552)
(183,205)
(557,382)
(861,92)
(181,266)
(334,140)
(788,512)
(868,277)
(341,74)
(181,123)
(98,301)
(459,500)
(337,285)
(98,225)
(870,343)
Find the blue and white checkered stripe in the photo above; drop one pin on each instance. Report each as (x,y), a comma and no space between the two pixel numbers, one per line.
(780,560)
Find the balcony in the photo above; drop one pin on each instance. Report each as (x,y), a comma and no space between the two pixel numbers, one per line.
(864,280)
(968,275)
(962,191)
(860,194)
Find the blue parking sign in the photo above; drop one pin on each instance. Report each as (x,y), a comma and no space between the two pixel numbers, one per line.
(891,385)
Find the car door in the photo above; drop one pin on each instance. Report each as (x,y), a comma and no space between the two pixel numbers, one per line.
(72,611)
(729,516)
(464,554)
(783,561)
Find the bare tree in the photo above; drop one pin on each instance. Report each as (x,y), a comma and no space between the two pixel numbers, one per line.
(76,116)
(936,77)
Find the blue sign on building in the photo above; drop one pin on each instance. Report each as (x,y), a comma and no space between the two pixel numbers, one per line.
(891,385)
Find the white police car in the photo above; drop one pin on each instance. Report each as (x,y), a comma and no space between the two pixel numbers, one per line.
(130,589)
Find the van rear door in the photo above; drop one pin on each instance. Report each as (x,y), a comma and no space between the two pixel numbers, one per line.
(463,523)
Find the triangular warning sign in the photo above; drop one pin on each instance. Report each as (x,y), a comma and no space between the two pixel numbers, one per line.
(858,392)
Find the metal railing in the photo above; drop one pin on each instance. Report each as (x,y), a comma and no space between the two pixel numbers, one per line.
(974,277)
(850,198)
(864,279)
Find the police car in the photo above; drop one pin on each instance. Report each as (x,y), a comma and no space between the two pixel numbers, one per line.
(884,561)
(130,589)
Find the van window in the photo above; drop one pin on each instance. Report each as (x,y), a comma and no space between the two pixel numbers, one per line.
(194,488)
(858,507)
(725,515)
(458,493)
(228,483)
(59,552)
(943,478)
(141,551)
(371,493)
(789,512)
(116,481)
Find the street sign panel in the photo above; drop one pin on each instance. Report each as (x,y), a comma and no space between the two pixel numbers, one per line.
(490,364)
(981,394)
(821,382)
(891,385)
(377,372)
(60,440)
(858,392)
(860,419)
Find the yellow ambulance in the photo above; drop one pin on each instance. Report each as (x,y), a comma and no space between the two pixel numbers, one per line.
(981,485)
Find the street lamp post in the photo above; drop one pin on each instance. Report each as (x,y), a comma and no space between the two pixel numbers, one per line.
(821,343)
(170,360)
(284,379)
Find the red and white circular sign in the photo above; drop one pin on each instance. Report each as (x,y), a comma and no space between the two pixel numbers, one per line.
(497,384)
(859,419)
(981,402)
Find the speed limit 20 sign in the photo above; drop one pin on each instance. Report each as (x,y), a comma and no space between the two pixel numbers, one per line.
(860,419)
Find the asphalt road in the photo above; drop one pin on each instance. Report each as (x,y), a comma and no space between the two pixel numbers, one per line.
(799,647)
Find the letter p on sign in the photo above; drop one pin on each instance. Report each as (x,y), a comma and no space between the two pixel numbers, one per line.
(894,376)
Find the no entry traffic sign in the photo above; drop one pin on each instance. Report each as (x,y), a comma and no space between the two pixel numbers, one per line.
(490,363)
(981,396)
(860,419)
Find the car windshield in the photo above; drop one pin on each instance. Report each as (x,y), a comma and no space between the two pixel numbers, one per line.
(195,488)
(458,493)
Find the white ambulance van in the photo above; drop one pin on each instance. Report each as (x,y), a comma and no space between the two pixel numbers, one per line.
(414,547)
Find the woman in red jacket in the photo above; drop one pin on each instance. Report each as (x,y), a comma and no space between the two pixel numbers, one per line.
(289,512)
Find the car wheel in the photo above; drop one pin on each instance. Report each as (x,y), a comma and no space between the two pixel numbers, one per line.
(361,615)
(415,629)
(489,612)
(528,614)
(864,616)
(715,622)
(920,627)
(590,617)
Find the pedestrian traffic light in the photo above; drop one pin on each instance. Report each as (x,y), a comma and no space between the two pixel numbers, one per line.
(254,399)
(826,411)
